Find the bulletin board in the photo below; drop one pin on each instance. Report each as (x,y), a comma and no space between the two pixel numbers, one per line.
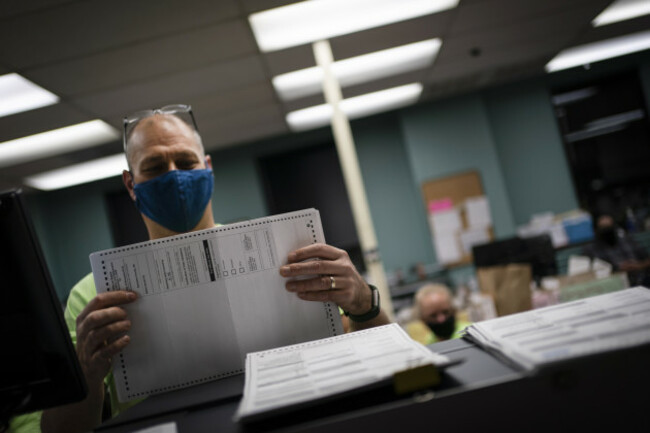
(457,188)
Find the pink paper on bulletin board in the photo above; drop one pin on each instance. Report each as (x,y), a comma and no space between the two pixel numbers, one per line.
(440,205)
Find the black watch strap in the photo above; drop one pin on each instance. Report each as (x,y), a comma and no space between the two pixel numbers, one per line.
(374,309)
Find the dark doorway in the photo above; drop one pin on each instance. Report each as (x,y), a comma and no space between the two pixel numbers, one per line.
(606,133)
(127,226)
(312,177)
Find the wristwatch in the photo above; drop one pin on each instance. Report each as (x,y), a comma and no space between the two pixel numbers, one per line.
(374,309)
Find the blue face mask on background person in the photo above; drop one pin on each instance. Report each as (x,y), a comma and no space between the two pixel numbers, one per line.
(177,199)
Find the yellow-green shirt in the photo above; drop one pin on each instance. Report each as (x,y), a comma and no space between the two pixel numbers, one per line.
(28,423)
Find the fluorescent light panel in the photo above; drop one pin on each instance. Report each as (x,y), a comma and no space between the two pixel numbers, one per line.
(79,173)
(597,51)
(360,69)
(309,21)
(56,141)
(622,10)
(358,106)
(18,94)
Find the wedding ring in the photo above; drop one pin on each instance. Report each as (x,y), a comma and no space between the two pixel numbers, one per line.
(333,285)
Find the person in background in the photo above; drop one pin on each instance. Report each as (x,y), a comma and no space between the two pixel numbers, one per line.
(435,316)
(170,181)
(620,250)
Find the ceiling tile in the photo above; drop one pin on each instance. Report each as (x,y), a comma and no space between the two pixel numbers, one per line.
(178,88)
(527,38)
(251,6)
(85,27)
(393,35)
(492,14)
(210,106)
(217,104)
(512,55)
(155,58)
(291,59)
(262,129)
(244,118)
(242,126)
(9,8)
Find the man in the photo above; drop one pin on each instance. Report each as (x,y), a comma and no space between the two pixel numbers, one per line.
(170,180)
(619,250)
(435,316)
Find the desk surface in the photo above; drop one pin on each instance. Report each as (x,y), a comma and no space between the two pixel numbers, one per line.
(478,392)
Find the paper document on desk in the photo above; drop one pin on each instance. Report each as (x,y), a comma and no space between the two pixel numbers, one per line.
(207,298)
(299,373)
(586,326)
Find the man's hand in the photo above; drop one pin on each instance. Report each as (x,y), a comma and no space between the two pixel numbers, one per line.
(323,263)
(101,333)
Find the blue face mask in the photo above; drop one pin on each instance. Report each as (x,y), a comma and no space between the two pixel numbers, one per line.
(177,199)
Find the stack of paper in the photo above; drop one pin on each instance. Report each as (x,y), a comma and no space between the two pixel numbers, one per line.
(592,325)
(304,372)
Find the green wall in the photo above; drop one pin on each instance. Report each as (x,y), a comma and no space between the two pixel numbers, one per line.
(237,193)
(530,150)
(454,136)
(395,204)
(71,224)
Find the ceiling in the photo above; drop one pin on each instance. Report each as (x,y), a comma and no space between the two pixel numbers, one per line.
(106,59)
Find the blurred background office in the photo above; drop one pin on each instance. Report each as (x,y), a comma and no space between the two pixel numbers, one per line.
(540,105)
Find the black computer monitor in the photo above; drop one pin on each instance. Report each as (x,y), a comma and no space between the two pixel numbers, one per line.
(39,365)
(538,251)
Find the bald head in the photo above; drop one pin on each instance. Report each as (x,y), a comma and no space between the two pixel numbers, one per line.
(605,221)
(433,303)
(158,145)
(161,131)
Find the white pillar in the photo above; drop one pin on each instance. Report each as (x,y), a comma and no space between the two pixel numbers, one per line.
(352,176)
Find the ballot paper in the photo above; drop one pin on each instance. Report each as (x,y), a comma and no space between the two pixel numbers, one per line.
(207,298)
(300,373)
(598,324)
